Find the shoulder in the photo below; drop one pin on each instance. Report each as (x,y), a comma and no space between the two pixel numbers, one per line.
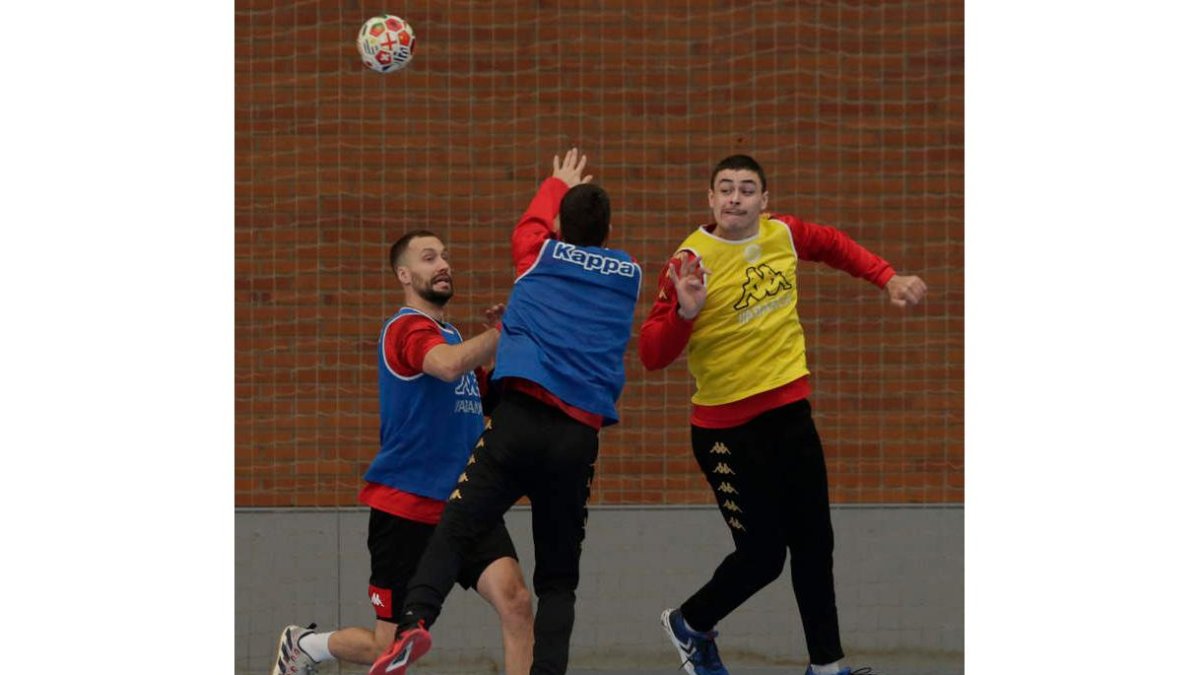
(405,326)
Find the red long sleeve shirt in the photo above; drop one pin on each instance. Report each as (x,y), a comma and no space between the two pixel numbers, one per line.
(664,334)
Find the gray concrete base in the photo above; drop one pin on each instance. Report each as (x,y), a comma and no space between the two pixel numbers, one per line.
(899,573)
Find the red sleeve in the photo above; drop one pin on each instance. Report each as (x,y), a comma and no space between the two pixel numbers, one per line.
(664,334)
(821,243)
(407,341)
(537,225)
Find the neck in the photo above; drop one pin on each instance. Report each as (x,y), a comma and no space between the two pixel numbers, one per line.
(736,233)
(417,302)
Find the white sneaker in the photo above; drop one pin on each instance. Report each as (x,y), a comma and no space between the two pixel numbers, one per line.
(290,659)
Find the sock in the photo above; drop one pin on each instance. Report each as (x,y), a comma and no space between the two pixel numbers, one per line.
(316,645)
(827,669)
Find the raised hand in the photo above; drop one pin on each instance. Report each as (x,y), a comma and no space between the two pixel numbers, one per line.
(570,171)
(690,291)
(491,316)
(906,291)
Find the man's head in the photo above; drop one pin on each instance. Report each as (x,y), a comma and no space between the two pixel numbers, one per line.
(584,215)
(420,262)
(737,195)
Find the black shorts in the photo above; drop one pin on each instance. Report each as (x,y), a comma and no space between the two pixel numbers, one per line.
(396,545)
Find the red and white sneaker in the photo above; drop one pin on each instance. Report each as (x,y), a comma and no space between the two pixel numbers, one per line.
(409,646)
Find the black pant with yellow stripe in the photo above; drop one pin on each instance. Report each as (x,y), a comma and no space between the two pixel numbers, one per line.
(768,476)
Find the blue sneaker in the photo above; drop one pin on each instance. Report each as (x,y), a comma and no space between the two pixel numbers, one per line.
(847,671)
(698,650)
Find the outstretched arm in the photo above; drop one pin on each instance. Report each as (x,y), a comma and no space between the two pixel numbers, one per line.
(449,362)
(821,243)
(540,220)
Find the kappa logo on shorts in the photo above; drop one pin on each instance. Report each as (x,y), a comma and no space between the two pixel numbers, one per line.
(381,600)
(726,488)
(736,524)
(723,469)
(731,506)
(720,449)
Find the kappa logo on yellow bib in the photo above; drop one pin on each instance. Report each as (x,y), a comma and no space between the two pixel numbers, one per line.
(761,282)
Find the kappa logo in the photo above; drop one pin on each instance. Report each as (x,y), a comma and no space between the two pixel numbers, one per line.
(463,477)
(761,282)
(455,495)
(471,459)
(593,262)
(720,449)
(381,599)
(723,469)
(731,506)
(467,385)
(726,488)
(737,524)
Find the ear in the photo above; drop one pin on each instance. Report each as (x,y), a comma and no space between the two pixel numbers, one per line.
(404,275)
(764,203)
(712,199)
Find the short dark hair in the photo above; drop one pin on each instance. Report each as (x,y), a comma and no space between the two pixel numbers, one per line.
(402,243)
(737,162)
(584,215)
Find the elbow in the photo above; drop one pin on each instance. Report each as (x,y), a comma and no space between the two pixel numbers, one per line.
(650,360)
(447,376)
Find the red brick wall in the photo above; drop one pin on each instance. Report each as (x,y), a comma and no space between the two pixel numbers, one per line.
(855,109)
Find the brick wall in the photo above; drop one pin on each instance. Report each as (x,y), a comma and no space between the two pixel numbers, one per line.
(855,109)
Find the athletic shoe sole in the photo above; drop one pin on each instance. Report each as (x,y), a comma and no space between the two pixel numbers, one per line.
(403,653)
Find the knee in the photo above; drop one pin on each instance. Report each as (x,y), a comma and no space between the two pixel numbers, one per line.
(514,604)
(767,563)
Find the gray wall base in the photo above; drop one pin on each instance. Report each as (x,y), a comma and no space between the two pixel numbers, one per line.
(899,573)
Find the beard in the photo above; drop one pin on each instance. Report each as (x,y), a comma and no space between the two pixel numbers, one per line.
(439,298)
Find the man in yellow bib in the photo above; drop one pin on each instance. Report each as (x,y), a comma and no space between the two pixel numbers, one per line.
(729,296)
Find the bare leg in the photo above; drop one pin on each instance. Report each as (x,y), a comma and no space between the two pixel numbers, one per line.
(361,646)
(503,585)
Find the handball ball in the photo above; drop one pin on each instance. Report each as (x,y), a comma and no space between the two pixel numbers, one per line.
(386,43)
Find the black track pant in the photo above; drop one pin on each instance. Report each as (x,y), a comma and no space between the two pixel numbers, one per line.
(530,449)
(769,479)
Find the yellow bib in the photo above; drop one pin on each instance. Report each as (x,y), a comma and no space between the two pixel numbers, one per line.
(747,339)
